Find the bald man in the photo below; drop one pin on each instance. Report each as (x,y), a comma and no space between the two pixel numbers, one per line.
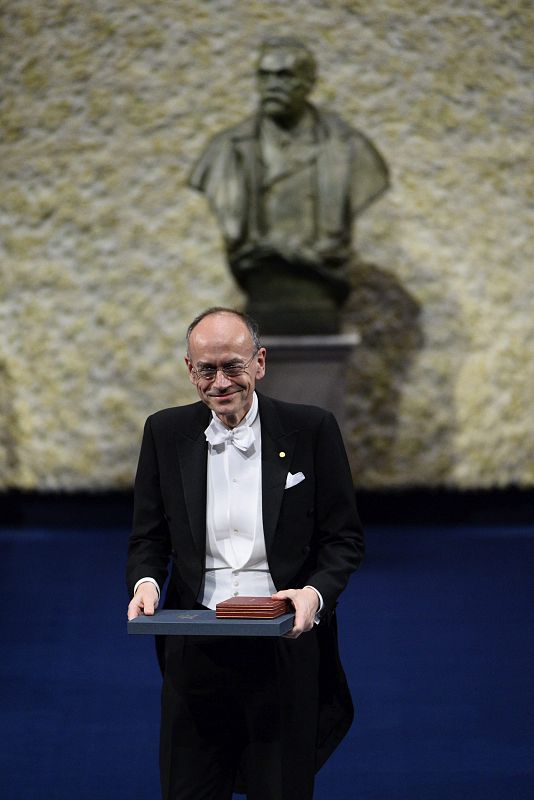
(244,495)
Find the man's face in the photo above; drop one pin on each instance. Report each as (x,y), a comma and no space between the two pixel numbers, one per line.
(223,339)
(284,83)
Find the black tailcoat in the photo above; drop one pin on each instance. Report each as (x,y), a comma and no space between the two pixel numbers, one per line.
(312,530)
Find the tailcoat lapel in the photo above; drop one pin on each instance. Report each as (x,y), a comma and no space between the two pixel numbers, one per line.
(192,458)
(277,446)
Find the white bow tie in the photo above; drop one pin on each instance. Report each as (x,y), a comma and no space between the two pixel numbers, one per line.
(241,437)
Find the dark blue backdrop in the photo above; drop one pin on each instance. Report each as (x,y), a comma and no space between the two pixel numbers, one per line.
(436,637)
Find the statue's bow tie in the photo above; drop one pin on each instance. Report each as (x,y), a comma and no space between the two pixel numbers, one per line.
(241,437)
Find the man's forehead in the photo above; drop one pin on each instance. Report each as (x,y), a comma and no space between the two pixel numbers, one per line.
(280,58)
(220,332)
(219,353)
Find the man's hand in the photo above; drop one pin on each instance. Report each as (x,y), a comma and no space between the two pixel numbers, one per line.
(306,604)
(144,601)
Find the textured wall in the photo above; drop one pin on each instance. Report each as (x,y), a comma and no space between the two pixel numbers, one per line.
(106,255)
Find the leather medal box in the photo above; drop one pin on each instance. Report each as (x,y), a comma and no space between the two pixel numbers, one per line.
(252,608)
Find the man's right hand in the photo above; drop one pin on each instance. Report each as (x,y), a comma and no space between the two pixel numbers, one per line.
(144,601)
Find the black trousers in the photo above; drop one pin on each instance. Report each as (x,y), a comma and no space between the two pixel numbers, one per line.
(239,714)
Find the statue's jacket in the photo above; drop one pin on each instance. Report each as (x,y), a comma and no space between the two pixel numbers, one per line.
(350,174)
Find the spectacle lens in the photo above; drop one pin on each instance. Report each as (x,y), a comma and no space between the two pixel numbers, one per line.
(233,370)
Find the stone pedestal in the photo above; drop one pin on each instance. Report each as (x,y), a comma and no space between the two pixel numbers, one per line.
(309,369)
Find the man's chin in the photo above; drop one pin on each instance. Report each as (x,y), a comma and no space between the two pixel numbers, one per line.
(224,402)
(230,408)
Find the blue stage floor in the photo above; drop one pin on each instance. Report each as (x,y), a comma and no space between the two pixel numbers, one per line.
(436,636)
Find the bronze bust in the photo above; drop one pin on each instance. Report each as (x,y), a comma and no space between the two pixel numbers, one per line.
(285,186)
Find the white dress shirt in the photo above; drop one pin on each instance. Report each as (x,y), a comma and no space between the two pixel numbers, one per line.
(236,559)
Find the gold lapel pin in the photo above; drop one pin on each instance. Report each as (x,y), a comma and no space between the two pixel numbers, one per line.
(282,454)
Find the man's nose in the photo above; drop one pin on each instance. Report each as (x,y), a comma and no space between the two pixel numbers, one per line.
(221,381)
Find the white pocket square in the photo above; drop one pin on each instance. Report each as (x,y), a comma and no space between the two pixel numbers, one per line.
(292,480)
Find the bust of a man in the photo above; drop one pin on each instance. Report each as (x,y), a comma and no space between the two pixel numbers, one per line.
(285,186)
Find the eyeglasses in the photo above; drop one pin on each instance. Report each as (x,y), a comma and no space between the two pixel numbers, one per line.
(233,369)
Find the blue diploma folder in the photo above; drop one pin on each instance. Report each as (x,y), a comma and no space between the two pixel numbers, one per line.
(204,623)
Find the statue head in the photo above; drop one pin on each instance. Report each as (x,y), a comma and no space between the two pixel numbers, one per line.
(286,74)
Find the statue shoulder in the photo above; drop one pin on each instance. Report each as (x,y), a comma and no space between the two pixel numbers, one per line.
(369,169)
(333,124)
(218,156)
(218,153)
(336,126)
(242,130)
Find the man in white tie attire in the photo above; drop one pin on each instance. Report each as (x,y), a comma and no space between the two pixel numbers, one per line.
(252,499)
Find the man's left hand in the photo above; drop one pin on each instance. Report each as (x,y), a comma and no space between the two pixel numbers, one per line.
(306,604)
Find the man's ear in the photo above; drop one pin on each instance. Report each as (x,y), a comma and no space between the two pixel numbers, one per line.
(189,365)
(260,366)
